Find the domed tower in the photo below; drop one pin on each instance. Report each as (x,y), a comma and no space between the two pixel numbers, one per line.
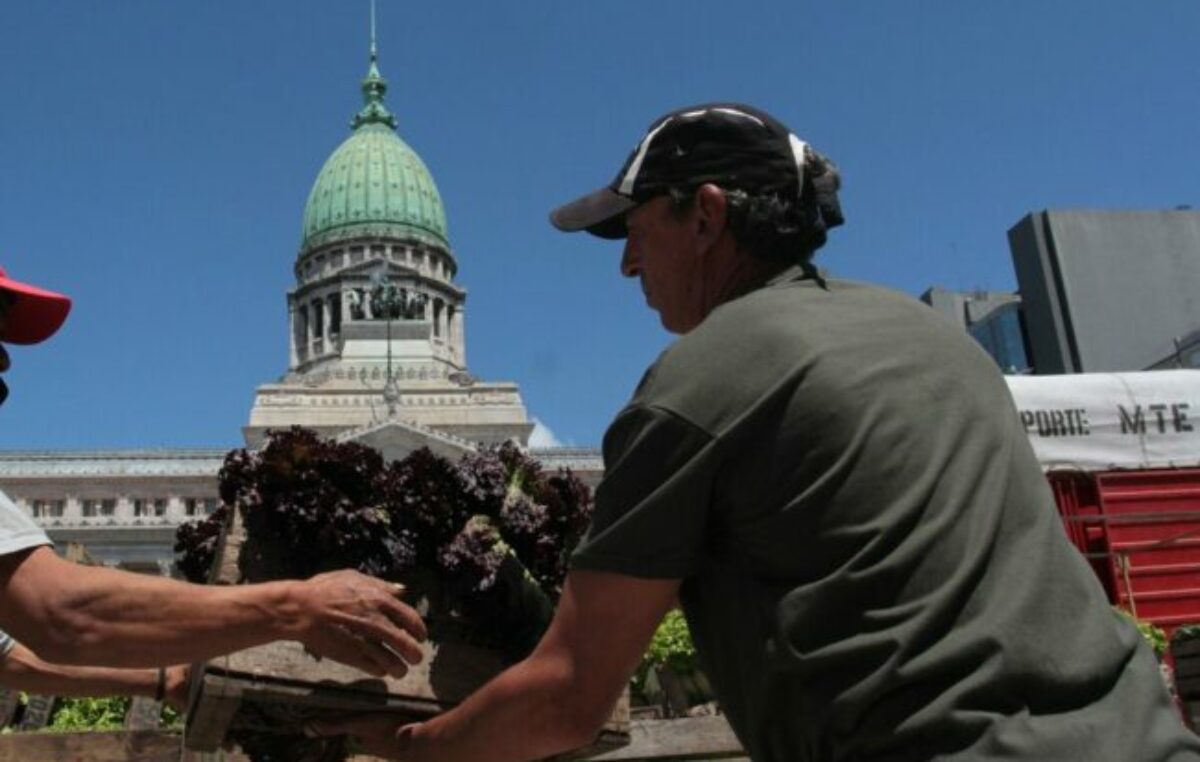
(376,320)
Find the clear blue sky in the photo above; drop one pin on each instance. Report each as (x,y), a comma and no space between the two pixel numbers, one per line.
(155,158)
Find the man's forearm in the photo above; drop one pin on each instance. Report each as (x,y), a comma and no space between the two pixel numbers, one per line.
(23,670)
(82,615)
(555,700)
(531,711)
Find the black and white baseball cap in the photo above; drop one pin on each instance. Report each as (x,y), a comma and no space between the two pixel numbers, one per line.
(734,146)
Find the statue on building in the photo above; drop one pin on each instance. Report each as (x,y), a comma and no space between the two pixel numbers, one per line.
(354,301)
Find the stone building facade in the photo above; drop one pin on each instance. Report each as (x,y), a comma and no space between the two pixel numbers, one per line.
(377,354)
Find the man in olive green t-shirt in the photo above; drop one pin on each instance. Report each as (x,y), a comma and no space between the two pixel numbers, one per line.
(834,483)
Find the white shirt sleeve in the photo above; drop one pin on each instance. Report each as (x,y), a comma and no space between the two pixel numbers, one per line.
(17,530)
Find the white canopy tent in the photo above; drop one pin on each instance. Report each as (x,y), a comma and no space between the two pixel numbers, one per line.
(1108,421)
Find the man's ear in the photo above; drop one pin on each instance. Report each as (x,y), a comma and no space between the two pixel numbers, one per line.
(711,212)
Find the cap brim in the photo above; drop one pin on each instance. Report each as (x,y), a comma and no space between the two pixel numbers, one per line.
(601,213)
(35,315)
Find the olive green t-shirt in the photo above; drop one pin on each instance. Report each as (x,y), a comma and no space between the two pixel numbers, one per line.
(872,563)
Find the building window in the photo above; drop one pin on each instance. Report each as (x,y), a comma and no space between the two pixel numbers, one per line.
(95,508)
(318,319)
(194,506)
(335,314)
(48,509)
(144,508)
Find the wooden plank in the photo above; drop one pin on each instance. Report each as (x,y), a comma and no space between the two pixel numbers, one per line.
(144,714)
(37,712)
(9,700)
(211,713)
(210,722)
(225,755)
(683,738)
(614,734)
(448,672)
(119,746)
(229,547)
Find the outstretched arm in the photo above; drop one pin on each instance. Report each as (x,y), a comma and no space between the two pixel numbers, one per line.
(23,670)
(556,699)
(74,614)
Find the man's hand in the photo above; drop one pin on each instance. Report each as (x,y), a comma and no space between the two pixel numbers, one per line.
(360,621)
(105,617)
(177,682)
(377,735)
(555,700)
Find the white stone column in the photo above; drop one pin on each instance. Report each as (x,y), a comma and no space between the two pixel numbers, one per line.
(326,303)
(293,357)
(334,310)
(460,336)
(73,509)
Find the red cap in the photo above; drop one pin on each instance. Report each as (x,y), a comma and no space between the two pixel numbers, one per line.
(34,315)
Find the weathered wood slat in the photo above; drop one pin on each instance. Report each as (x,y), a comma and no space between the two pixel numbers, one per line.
(222,693)
(683,738)
(144,714)
(432,679)
(225,564)
(9,700)
(118,746)
(37,712)
(210,715)
(695,738)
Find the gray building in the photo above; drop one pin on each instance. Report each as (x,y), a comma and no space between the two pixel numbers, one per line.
(1186,354)
(992,318)
(1108,291)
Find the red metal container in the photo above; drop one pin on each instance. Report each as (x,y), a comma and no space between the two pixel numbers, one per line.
(1140,531)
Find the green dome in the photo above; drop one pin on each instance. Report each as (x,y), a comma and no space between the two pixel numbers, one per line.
(374,183)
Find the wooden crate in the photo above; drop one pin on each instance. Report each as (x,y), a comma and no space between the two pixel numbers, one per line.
(280,686)
(693,738)
(100,746)
(1187,667)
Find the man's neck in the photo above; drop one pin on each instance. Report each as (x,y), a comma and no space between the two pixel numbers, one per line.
(746,273)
